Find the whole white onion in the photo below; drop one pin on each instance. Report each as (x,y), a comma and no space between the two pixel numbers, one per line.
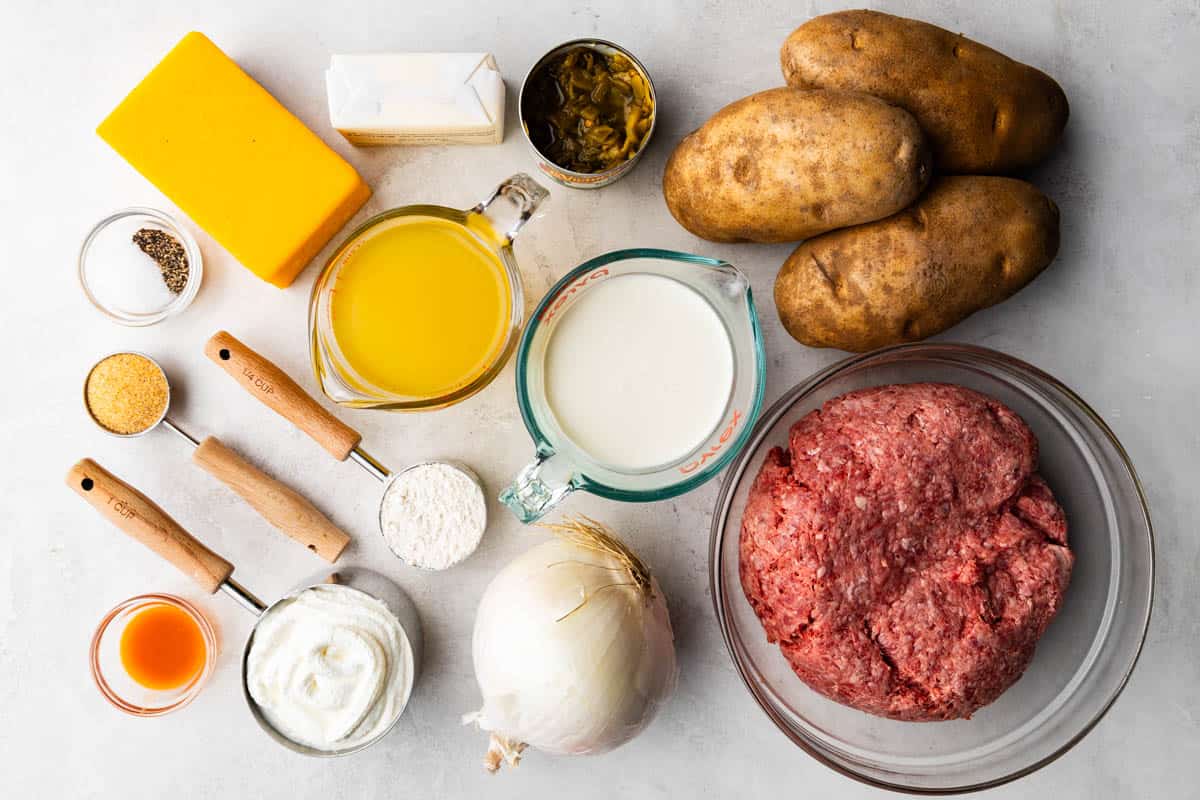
(573,648)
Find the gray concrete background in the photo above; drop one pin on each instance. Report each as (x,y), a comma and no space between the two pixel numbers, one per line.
(1115,318)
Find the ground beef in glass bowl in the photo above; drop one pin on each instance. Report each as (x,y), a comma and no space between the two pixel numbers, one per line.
(989,667)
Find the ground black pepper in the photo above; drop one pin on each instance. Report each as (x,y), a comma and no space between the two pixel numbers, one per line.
(168,253)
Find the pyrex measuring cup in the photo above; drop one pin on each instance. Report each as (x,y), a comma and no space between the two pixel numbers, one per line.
(560,466)
(143,520)
(491,225)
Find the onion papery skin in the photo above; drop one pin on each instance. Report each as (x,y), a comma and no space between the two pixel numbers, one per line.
(572,656)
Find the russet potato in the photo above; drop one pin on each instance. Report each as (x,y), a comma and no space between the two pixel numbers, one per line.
(785,164)
(968,243)
(983,112)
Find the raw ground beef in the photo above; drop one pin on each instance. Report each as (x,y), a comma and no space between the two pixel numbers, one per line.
(904,552)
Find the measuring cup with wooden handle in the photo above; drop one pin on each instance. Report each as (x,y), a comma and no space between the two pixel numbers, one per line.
(276,390)
(278,503)
(143,520)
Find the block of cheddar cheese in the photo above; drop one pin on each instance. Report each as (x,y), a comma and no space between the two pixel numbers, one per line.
(231,157)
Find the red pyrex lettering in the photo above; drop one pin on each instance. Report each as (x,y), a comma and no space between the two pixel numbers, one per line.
(725,436)
(566,294)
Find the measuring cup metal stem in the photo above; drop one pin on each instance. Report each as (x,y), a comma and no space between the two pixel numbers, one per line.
(244,597)
(187,437)
(370,464)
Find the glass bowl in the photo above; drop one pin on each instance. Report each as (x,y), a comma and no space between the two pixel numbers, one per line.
(1086,655)
(111,678)
(143,218)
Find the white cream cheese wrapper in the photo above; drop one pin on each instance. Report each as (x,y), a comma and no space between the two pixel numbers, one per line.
(416,98)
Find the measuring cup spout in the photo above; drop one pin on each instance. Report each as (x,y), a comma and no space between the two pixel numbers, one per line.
(512,204)
(533,493)
(734,282)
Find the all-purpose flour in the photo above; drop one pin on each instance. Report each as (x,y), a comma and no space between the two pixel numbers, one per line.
(433,515)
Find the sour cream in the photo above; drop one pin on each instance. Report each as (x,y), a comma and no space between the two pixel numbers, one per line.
(330,668)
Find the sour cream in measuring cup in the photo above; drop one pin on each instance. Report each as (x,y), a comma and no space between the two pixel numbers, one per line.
(330,668)
(638,371)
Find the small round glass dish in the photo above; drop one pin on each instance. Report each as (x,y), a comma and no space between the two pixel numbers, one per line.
(124,283)
(1082,662)
(115,683)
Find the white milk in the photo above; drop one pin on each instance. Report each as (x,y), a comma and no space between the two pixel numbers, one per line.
(638,371)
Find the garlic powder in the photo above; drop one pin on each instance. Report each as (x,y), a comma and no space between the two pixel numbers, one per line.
(433,515)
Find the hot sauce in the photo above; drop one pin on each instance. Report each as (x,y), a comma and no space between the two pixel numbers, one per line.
(162,647)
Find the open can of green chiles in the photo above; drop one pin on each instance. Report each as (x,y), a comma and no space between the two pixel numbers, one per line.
(588,109)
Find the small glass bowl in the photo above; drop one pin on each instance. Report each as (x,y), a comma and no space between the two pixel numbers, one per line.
(1086,655)
(123,691)
(149,218)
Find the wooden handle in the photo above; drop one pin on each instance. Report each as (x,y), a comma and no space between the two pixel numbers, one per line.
(278,503)
(280,393)
(138,516)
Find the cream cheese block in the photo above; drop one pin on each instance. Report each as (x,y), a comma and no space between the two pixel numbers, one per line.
(416,98)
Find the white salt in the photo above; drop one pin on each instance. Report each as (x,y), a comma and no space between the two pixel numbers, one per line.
(120,276)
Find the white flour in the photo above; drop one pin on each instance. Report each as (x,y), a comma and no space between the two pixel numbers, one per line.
(433,515)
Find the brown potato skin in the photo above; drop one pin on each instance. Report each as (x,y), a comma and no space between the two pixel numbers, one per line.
(970,242)
(983,112)
(785,164)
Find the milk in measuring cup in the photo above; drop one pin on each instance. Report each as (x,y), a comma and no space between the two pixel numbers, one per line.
(638,371)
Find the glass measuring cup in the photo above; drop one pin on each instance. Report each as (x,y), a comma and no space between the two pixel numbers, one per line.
(560,466)
(490,225)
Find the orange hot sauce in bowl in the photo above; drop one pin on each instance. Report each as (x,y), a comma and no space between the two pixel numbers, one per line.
(162,647)
(152,654)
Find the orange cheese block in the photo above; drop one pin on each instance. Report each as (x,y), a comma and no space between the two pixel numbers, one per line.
(235,160)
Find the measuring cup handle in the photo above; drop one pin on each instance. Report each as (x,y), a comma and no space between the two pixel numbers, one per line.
(278,503)
(139,518)
(272,386)
(533,494)
(512,204)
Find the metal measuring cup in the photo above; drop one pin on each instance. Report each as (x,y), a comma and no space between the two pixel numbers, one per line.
(275,389)
(144,521)
(276,502)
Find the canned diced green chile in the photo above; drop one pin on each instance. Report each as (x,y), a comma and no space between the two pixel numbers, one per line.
(588,110)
